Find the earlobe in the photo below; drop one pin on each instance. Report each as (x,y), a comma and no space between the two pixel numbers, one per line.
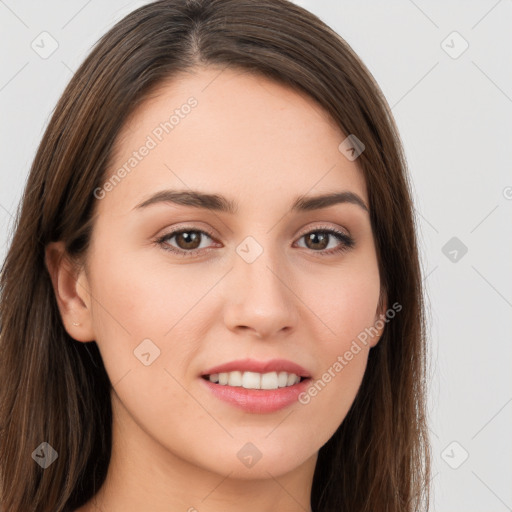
(68,286)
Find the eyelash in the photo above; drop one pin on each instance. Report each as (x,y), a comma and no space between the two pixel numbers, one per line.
(347,242)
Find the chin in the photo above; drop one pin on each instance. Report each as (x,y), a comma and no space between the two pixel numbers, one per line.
(259,460)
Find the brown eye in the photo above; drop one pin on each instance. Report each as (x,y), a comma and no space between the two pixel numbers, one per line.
(317,240)
(185,242)
(324,240)
(188,239)
(188,242)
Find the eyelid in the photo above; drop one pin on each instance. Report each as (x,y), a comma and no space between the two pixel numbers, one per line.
(211,234)
(187,227)
(325,228)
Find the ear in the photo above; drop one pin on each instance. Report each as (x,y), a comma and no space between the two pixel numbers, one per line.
(380,318)
(71,292)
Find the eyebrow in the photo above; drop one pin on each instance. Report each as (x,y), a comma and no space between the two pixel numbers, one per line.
(220,203)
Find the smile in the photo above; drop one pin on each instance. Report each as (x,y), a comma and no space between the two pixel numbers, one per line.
(254,380)
(257,387)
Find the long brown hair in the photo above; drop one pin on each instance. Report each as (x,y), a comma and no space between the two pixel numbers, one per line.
(56,390)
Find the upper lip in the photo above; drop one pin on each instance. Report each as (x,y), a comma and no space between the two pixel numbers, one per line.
(252,365)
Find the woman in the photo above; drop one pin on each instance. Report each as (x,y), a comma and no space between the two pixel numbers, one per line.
(212,298)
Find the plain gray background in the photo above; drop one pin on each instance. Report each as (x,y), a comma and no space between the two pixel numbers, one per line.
(453,107)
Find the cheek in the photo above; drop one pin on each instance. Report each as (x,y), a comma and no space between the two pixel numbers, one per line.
(126,309)
(145,309)
(148,292)
(330,396)
(346,309)
(344,358)
(136,300)
(344,302)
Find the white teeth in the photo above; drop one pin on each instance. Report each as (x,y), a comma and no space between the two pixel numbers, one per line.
(282,379)
(269,381)
(254,380)
(251,380)
(291,379)
(235,379)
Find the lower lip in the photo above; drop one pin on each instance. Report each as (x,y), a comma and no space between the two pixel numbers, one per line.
(257,400)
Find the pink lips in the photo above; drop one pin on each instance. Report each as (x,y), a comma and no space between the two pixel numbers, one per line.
(258,400)
(251,365)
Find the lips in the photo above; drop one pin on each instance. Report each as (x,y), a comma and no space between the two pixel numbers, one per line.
(257,386)
(251,365)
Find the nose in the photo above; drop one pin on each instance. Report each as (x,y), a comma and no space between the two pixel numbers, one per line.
(260,299)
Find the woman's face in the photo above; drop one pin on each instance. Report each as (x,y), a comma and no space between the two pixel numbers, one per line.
(261,288)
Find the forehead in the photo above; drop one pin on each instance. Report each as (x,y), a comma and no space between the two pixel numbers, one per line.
(216,129)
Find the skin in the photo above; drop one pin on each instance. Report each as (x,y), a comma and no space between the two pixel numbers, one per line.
(260,144)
